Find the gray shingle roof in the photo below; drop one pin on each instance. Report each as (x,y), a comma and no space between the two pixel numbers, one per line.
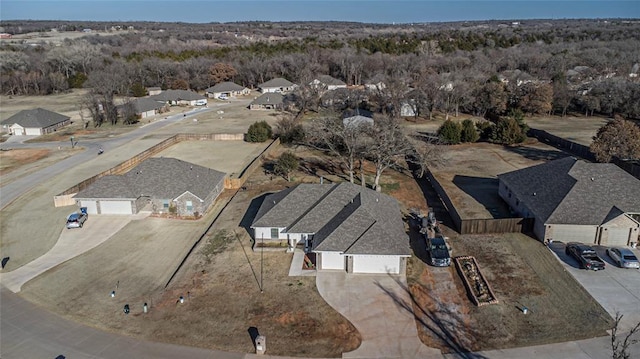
(225,87)
(272,98)
(38,118)
(277,82)
(145,104)
(344,217)
(157,178)
(177,95)
(569,191)
(329,80)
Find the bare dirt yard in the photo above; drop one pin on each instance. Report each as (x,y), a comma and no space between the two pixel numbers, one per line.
(20,162)
(470,174)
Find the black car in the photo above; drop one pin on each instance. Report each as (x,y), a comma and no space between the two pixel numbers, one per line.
(585,255)
(438,252)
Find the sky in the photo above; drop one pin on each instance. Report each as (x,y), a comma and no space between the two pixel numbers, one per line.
(369,11)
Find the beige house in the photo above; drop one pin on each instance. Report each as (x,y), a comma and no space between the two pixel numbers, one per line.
(576,201)
(34,122)
(226,90)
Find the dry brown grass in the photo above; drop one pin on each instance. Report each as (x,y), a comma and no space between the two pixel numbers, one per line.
(12,159)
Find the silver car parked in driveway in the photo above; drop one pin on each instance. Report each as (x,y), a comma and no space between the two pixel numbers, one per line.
(623,257)
(76,220)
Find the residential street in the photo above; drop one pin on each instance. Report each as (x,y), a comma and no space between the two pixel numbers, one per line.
(15,189)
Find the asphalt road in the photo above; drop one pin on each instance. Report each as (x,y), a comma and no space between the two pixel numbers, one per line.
(15,189)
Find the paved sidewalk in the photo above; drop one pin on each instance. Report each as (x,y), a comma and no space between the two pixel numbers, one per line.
(72,242)
(380,308)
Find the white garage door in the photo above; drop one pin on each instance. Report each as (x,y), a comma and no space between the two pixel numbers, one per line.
(574,233)
(115,207)
(32,131)
(617,237)
(332,260)
(92,206)
(376,264)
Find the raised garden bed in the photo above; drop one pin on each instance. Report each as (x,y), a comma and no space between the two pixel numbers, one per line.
(477,285)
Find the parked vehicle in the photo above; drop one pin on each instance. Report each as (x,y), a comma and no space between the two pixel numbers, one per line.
(623,257)
(438,252)
(585,255)
(76,220)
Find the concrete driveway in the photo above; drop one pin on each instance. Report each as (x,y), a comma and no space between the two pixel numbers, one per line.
(616,289)
(71,243)
(379,306)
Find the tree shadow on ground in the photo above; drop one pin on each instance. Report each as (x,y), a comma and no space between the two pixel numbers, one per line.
(485,191)
(537,154)
(416,240)
(442,324)
(433,200)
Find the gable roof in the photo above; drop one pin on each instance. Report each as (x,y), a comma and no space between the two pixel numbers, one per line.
(177,95)
(268,98)
(156,177)
(277,82)
(145,104)
(329,80)
(38,117)
(569,191)
(343,217)
(225,87)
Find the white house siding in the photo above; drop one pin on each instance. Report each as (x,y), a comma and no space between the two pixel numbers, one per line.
(572,233)
(116,207)
(265,233)
(147,114)
(376,264)
(32,131)
(332,260)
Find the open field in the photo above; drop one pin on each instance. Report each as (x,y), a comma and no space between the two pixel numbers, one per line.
(66,103)
(469,177)
(577,129)
(21,162)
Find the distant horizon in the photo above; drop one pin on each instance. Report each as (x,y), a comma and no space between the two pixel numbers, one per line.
(359,11)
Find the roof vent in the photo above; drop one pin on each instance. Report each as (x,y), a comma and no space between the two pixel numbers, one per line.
(593,179)
(534,194)
(376,199)
(274,202)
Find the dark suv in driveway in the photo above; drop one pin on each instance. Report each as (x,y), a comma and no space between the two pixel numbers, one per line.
(438,252)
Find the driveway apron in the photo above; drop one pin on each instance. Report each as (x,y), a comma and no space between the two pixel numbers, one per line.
(379,306)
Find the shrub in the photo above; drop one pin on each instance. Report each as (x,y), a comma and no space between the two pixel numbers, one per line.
(259,132)
(507,131)
(450,132)
(469,132)
(286,163)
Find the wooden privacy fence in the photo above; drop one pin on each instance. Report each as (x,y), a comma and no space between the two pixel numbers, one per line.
(479,226)
(492,225)
(65,198)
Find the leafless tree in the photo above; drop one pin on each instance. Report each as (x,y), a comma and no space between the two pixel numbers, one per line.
(388,146)
(620,348)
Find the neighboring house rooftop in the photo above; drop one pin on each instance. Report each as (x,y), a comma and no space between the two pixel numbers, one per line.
(38,117)
(344,217)
(571,191)
(176,95)
(157,177)
(272,98)
(329,80)
(277,82)
(145,104)
(225,87)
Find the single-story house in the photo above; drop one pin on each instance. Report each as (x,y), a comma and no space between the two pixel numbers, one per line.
(160,184)
(278,85)
(408,109)
(180,97)
(349,228)
(226,89)
(576,201)
(145,107)
(328,83)
(267,101)
(34,122)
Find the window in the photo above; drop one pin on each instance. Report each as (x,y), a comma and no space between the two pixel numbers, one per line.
(274,233)
(189,206)
(165,203)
